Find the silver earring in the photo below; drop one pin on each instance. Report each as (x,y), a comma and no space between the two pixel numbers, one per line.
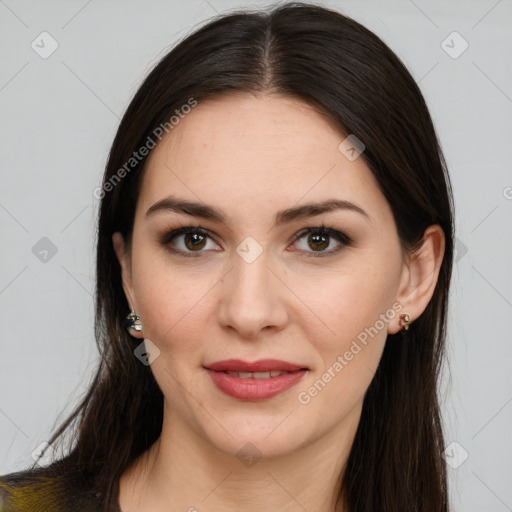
(132,322)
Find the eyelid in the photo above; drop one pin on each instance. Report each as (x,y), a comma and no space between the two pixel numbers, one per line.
(174,232)
(323,229)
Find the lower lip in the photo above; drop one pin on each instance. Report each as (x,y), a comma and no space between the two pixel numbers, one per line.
(255,389)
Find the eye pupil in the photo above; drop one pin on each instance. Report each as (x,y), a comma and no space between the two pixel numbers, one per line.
(196,240)
(319,239)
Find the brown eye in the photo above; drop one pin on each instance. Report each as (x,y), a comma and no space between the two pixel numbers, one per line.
(188,241)
(194,241)
(317,240)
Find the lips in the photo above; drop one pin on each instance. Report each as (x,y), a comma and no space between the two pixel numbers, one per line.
(258,380)
(262,365)
(256,375)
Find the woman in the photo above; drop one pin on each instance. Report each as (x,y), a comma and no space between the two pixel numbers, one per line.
(273,266)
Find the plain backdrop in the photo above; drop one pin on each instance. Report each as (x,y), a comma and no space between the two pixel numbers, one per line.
(59,113)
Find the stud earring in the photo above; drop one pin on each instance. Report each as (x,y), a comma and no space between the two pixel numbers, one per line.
(404,320)
(132,322)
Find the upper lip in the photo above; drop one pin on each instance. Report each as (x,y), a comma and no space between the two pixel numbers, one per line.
(262,365)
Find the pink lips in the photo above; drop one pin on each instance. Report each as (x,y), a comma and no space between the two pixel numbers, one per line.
(254,388)
(262,365)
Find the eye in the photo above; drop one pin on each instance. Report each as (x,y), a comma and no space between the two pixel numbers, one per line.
(187,240)
(321,238)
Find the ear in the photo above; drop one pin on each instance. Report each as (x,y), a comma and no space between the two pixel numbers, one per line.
(419,276)
(123,256)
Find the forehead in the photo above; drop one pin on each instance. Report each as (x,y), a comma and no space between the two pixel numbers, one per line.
(269,151)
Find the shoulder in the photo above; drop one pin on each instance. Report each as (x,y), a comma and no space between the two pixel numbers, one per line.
(29,491)
(47,489)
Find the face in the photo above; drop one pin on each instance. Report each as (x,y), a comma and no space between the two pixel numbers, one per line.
(270,278)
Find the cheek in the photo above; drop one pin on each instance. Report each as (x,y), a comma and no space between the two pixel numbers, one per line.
(348,329)
(341,304)
(171,303)
(348,339)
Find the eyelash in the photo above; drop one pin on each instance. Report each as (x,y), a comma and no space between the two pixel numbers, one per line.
(343,239)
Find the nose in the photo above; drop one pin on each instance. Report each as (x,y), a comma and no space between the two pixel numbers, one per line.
(253,298)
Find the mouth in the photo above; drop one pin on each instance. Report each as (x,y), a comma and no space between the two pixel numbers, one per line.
(257,380)
(260,366)
(256,375)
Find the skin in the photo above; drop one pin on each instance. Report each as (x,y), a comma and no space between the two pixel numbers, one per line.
(251,157)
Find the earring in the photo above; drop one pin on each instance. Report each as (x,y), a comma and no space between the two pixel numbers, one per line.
(132,322)
(404,320)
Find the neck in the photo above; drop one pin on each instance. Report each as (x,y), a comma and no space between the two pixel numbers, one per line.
(185,470)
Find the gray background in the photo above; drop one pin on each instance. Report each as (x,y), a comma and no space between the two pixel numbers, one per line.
(58,118)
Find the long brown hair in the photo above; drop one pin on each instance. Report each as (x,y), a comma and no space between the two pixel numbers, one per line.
(317,55)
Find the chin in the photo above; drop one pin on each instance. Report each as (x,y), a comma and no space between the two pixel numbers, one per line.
(267,436)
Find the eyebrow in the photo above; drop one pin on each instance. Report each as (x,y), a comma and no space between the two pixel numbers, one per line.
(205,211)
